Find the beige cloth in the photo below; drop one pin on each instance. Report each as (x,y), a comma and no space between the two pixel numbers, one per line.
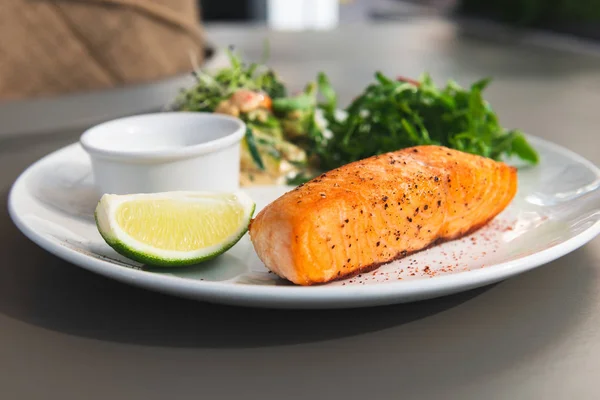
(51,47)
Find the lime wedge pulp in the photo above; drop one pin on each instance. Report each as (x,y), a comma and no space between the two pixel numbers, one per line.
(173,228)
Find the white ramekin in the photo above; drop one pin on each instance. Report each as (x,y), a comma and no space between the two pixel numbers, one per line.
(166,151)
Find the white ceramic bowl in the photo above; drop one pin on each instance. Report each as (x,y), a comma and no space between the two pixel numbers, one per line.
(167,151)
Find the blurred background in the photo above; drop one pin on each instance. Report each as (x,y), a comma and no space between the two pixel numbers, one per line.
(67,64)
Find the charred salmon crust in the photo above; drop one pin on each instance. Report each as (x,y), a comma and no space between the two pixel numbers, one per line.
(362,215)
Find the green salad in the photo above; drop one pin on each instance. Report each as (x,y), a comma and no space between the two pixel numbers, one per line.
(291,138)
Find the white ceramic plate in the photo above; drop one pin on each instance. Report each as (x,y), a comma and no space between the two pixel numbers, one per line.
(556,211)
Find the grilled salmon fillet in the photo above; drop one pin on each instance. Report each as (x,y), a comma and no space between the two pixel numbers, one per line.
(382,208)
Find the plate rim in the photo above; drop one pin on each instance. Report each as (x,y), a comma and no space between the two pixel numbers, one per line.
(236,293)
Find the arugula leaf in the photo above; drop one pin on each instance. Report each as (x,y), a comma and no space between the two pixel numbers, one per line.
(394,114)
(304,101)
(328,93)
(249,137)
(480,85)
(300,102)
(523,149)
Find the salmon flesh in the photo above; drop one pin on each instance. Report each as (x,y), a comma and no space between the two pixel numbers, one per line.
(370,212)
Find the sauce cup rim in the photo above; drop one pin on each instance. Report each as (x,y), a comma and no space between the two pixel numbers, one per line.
(94,147)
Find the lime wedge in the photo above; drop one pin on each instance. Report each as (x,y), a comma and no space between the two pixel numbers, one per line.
(174,228)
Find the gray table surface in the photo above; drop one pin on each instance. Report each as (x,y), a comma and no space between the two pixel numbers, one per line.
(67,333)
